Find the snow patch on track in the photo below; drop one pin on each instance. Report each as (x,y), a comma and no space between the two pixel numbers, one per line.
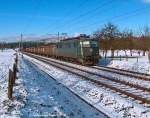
(104,99)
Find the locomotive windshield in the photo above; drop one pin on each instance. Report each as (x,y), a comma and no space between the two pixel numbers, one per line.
(94,44)
(86,43)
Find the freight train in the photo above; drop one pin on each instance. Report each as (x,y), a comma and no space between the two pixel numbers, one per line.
(79,50)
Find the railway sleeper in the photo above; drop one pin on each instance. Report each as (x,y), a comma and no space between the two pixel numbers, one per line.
(115,80)
(143,100)
(126,74)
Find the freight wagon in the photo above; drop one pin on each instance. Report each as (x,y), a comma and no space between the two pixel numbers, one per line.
(83,51)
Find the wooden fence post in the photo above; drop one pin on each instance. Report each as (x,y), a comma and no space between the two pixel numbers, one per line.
(16,59)
(10,84)
(16,62)
(120,57)
(149,55)
(14,73)
(137,60)
(126,58)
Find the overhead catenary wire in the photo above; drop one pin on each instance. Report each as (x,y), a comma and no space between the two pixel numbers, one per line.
(87,13)
(117,17)
(88,17)
(70,11)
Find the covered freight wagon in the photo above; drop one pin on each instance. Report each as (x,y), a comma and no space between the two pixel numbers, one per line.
(49,50)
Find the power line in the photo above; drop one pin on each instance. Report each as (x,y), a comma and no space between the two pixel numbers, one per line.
(129,14)
(85,13)
(78,21)
(91,11)
(75,19)
(68,14)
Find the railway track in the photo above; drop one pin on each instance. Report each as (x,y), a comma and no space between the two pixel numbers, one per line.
(137,75)
(136,92)
(116,76)
(128,78)
(78,96)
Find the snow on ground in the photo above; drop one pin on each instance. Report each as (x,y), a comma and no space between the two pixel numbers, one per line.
(111,103)
(36,94)
(132,65)
(118,53)
(145,84)
(141,64)
(7,107)
(46,97)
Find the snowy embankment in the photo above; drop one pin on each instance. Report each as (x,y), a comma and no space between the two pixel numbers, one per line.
(38,95)
(8,108)
(104,99)
(142,67)
(45,97)
(137,62)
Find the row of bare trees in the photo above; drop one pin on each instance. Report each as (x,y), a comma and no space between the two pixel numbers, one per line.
(112,39)
(126,44)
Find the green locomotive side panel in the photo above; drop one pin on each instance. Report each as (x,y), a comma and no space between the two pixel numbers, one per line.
(82,50)
(68,49)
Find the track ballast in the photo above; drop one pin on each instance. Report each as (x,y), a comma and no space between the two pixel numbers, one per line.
(136,92)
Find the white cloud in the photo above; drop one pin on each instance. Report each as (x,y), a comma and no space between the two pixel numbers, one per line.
(146,1)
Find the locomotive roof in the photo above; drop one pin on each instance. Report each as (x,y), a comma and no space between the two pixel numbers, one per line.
(78,39)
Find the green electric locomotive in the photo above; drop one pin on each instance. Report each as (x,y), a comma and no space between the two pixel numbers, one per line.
(81,50)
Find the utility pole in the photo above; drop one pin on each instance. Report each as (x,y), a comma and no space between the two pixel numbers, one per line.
(20,43)
(58,36)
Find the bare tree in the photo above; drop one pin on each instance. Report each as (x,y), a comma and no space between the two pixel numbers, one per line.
(146,31)
(108,32)
(145,35)
(128,35)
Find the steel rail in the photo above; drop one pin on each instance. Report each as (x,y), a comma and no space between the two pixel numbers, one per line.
(133,74)
(110,78)
(96,81)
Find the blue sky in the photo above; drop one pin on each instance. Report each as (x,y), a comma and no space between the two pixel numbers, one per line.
(70,16)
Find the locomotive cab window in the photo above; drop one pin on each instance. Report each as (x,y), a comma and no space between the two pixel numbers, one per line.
(86,43)
(94,44)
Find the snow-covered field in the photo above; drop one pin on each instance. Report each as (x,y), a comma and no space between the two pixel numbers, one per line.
(36,94)
(45,97)
(107,101)
(138,63)
(118,53)
(42,90)
(6,106)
